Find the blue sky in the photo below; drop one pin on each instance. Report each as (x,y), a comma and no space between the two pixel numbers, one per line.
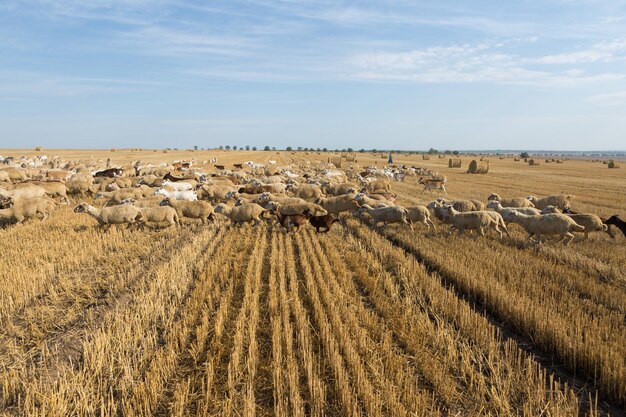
(529,74)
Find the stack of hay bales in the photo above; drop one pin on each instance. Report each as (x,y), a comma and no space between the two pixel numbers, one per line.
(454,163)
(478,167)
(614,164)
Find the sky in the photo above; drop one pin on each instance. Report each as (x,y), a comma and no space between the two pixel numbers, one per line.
(395,74)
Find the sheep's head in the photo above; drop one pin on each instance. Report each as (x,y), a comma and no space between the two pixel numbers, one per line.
(494,197)
(532,199)
(99,195)
(232,194)
(493,204)
(128,201)
(81,208)
(220,208)
(160,191)
(264,197)
(165,202)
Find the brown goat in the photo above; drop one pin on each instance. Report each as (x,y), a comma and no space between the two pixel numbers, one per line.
(323,222)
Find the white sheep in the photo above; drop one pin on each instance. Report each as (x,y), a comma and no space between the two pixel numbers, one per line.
(511,202)
(335,205)
(24,192)
(419,214)
(590,222)
(106,216)
(191,209)
(497,206)
(363,199)
(179,195)
(159,215)
(473,220)
(177,186)
(559,200)
(242,214)
(547,224)
(385,215)
(27,209)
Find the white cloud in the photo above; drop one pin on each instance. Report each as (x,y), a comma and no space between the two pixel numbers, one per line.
(611,99)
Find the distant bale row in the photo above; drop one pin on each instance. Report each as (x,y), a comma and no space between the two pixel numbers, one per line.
(614,164)
(478,167)
(454,163)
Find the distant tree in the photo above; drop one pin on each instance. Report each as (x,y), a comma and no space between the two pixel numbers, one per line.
(254,148)
(228,147)
(195,147)
(221,147)
(299,148)
(361,150)
(455,152)
(350,150)
(235,148)
(267,148)
(524,155)
(273,148)
(325,149)
(447,152)
(374,150)
(247,147)
(289,149)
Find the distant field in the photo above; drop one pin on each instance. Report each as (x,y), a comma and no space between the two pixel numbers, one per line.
(224,320)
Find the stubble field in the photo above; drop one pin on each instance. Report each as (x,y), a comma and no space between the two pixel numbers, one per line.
(224,320)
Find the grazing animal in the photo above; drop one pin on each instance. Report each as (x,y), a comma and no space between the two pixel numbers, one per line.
(473,220)
(325,222)
(547,224)
(107,216)
(26,209)
(249,212)
(591,222)
(617,222)
(191,209)
(385,215)
(110,173)
(179,195)
(559,200)
(511,202)
(292,221)
(431,184)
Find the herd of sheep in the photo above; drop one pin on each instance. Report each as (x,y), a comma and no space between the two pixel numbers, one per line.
(163,195)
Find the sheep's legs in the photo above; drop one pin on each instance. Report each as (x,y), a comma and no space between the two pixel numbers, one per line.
(569,238)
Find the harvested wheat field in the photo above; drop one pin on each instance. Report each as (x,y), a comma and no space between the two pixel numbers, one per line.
(218,318)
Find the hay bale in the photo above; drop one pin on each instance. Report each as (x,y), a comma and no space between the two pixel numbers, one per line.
(454,163)
(441,156)
(38,149)
(478,167)
(515,159)
(548,161)
(425,157)
(533,162)
(614,164)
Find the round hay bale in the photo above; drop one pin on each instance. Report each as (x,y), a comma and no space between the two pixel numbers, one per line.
(533,162)
(478,167)
(614,164)
(454,163)
(425,157)
(515,159)
(441,156)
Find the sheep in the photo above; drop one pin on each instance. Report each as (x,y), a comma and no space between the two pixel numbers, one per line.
(107,216)
(511,202)
(215,193)
(177,186)
(338,189)
(267,197)
(179,195)
(275,188)
(152,201)
(364,199)
(325,222)
(305,191)
(385,215)
(473,220)
(117,196)
(81,187)
(27,209)
(614,220)
(335,205)
(461,206)
(4,176)
(560,200)
(378,186)
(15,174)
(420,214)
(24,192)
(497,206)
(160,215)
(547,224)
(300,208)
(52,188)
(242,214)
(591,222)
(191,209)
